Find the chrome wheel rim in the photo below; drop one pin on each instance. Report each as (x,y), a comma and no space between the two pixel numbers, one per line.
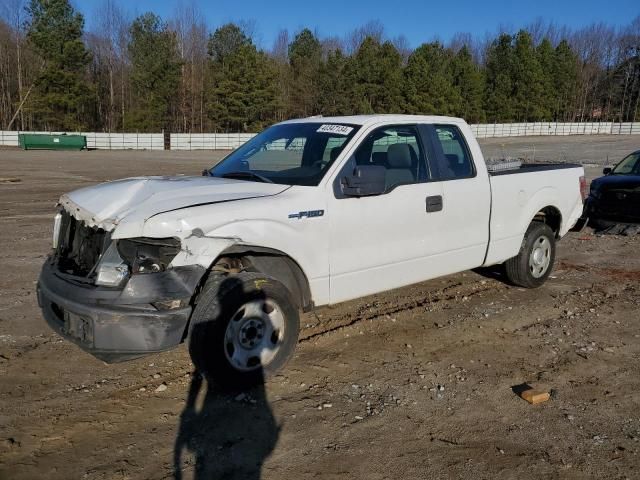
(254,335)
(540,257)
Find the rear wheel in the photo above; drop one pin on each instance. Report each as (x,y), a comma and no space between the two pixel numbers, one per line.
(244,327)
(533,264)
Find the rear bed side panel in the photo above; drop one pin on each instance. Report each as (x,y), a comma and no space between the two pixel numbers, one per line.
(518,197)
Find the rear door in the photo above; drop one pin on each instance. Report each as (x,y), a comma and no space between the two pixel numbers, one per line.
(466,197)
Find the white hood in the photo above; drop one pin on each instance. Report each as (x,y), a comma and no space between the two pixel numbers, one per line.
(107,204)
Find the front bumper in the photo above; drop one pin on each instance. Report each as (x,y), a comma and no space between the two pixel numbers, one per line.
(613,213)
(118,324)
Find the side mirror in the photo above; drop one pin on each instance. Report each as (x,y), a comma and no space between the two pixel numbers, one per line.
(205,172)
(366,180)
(607,170)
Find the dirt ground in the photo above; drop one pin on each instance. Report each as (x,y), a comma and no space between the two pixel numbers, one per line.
(414,383)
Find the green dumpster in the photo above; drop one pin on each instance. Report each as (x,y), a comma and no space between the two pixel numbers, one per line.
(48,141)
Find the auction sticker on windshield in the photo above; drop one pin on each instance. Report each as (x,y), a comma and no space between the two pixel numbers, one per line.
(337,129)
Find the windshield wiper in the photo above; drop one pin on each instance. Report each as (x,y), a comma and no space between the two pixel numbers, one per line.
(246,175)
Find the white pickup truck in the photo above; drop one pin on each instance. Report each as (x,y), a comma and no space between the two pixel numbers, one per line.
(309,212)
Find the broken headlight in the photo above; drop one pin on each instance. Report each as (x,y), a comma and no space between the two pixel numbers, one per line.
(148,255)
(111,270)
(57,222)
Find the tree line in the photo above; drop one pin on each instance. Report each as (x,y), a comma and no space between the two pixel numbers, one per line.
(147,74)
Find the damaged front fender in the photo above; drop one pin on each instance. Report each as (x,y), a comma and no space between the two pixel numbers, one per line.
(200,250)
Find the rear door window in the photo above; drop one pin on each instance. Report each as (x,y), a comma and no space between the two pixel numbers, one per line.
(452,153)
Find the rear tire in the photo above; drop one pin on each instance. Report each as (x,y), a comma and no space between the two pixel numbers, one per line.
(533,264)
(244,328)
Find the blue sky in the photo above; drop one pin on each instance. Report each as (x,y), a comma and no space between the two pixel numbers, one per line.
(418,20)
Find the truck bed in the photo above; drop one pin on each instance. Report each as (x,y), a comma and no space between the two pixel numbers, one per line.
(534,167)
(516,198)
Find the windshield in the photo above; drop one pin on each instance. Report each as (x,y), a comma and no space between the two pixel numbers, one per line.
(290,154)
(630,165)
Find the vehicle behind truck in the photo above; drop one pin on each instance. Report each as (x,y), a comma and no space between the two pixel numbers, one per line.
(310,212)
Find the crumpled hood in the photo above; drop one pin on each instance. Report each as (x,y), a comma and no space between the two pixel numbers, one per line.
(107,204)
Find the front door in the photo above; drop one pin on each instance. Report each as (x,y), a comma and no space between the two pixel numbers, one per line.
(394,239)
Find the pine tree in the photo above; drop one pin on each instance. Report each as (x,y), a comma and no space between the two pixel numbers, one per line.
(225,42)
(155,74)
(468,79)
(60,100)
(565,81)
(498,102)
(305,57)
(546,59)
(527,78)
(333,87)
(243,91)
(429,87)
(374,75)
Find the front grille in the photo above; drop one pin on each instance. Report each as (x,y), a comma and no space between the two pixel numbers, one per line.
(621,202)
(79,246)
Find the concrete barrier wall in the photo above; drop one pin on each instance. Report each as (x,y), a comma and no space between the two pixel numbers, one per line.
(497,130)
(208,141)
(230,141)
(102,141)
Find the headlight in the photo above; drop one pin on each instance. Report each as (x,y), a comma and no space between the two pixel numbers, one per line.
(111,270)
(148,255)
(57,222)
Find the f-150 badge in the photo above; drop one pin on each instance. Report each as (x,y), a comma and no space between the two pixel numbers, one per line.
(307,214)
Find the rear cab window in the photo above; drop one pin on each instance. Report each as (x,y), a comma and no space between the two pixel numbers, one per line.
(453,158)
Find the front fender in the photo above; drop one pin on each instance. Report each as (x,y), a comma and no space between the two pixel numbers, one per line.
(206,231)
(201,250)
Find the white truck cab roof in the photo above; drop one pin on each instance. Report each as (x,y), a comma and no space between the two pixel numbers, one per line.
(366,120)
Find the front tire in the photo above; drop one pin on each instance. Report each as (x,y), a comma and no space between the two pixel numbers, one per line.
(533,264)
(244,328)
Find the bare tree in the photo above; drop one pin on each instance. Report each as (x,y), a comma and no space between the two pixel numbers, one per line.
(280,49)
(108,44)
(628,70)
(402,45)
(594,45)
(372,28)
(250,28)
(191,32)
(331,44)
(537,29)
(110,28)
(14,13)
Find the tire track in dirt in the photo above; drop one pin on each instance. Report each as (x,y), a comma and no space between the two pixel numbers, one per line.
(613,273)
(385,308)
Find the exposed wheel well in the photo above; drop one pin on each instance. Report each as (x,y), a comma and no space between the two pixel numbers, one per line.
(551,216)
(273,263)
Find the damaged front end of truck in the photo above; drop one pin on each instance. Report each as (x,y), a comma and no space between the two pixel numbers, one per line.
(116,299)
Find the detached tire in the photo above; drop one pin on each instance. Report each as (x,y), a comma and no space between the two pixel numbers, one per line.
(533,265)
(244,328)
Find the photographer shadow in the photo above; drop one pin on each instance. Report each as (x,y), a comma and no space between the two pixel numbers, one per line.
(224,434)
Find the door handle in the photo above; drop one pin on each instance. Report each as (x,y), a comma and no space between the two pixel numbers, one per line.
(434,203)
